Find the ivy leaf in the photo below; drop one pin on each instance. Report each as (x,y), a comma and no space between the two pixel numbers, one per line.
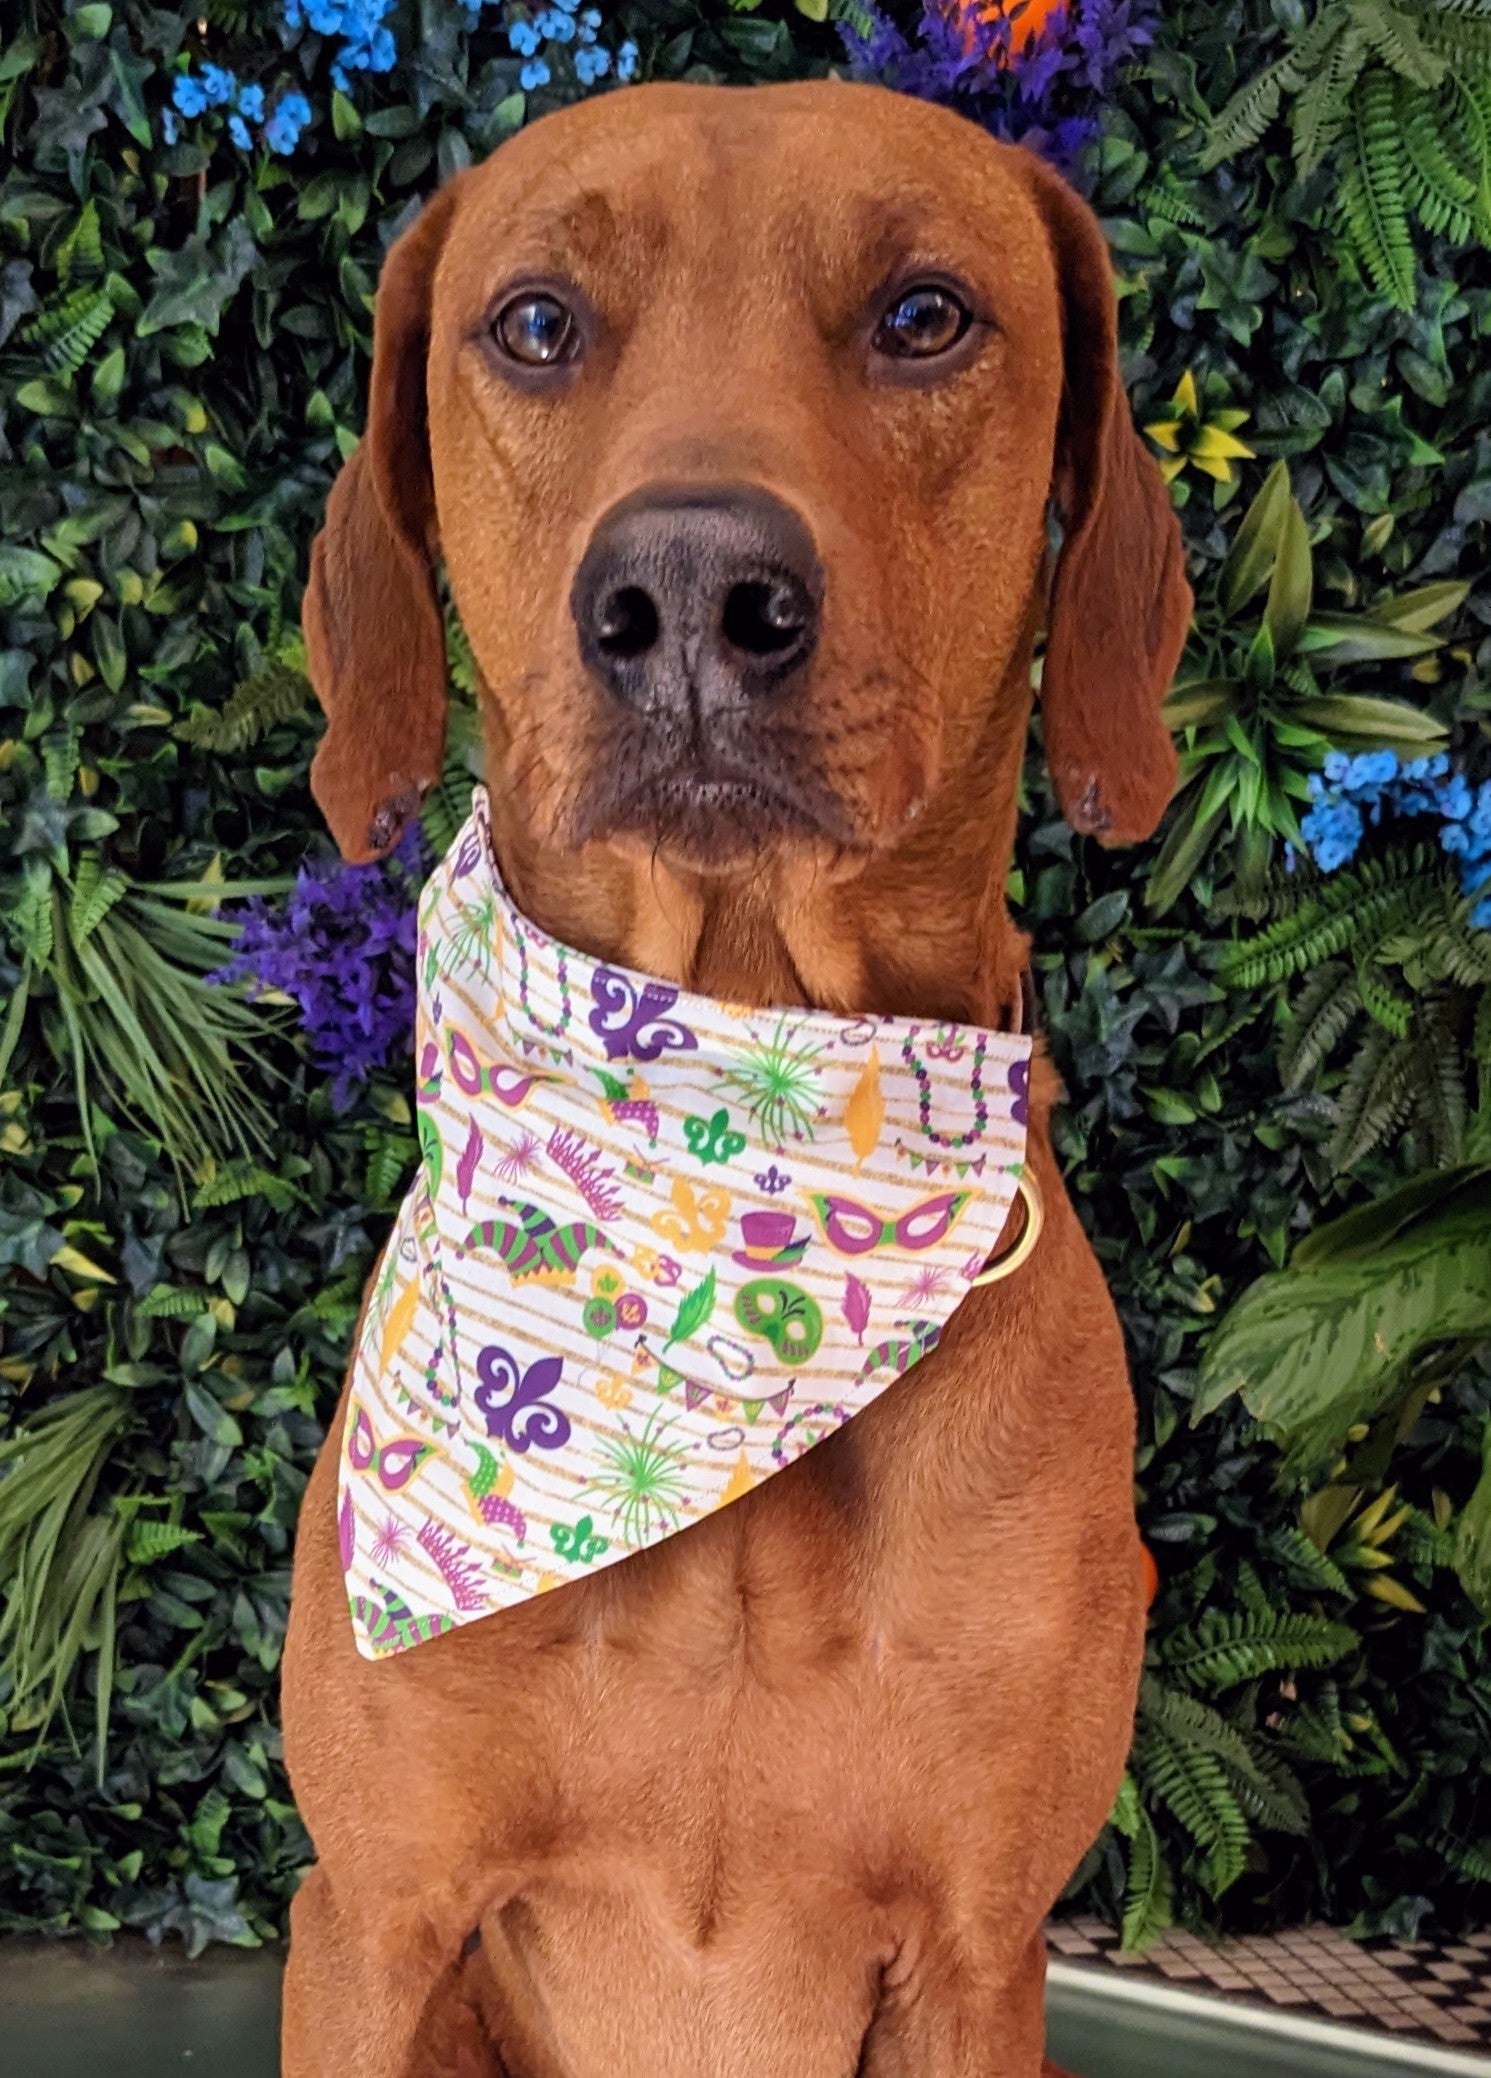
(195,284)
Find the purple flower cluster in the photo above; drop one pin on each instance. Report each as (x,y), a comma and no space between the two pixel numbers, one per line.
(1044,89)
(1352,792)
(342,946)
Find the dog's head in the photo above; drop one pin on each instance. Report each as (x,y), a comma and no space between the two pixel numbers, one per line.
(735,418)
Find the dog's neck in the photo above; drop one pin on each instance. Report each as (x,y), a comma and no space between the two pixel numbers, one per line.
(919,928)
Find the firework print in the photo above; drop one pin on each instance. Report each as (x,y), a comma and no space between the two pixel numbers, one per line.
(599,1321)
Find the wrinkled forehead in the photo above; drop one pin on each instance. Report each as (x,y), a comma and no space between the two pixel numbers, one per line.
(817,195)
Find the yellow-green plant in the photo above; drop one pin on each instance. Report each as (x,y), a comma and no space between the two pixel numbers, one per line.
(1263,698)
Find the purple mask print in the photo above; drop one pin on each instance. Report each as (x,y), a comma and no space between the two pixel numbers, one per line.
(1020,1084)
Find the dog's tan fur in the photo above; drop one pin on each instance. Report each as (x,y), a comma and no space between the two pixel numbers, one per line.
(790,1794)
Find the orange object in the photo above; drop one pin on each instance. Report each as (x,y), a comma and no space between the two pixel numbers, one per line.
(1026,21)
(1151,1575)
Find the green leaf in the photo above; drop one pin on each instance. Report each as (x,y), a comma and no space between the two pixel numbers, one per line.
(1199,703)
(1422,609)
(1472,1545)
(1250,560)
(1351,638)
(694,1309)
(1317,1350)
(1390,723)
(1292,584)
(210,1416)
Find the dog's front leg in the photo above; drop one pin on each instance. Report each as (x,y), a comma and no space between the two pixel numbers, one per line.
(946,2014)
(362,1986)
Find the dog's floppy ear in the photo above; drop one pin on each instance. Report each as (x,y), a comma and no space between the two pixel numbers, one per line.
(1120,605)
(373,632)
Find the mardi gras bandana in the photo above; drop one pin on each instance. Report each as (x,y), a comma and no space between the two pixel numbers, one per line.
(657,1247)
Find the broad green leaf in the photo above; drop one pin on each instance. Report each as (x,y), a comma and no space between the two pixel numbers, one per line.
(1472,1545)
(1388,722)
(1201,702)
(1291,587)
(1314,1352)
(1361,1233)
(1189,840)
(1351,638)
(1422,609)
(1250,560)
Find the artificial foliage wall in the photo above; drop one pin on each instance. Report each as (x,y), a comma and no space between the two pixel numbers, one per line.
(1273,1023)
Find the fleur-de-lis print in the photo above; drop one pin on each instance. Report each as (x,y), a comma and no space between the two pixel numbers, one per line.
(945,1045)
(630,1022)
(773,1181)
(578,1541)
(697,1221)
(514,1403)
(713,1140)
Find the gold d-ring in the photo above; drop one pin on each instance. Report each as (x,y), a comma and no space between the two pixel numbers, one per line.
(1030,1233)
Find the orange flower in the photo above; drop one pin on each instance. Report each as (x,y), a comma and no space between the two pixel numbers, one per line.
(1150,1573)
(1025,21)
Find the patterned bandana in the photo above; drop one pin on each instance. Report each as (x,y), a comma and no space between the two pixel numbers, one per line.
(657,1247)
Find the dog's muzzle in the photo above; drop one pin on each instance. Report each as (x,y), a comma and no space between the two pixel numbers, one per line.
(692,606)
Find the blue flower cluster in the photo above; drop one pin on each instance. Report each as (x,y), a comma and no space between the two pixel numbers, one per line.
(1352,792)
(215,88)
(364,43)
(342,946)
(563,23)
(367,43)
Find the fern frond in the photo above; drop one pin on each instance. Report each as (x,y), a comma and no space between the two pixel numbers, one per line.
(1320,112)
(1468,1858)
(80,256)
(1372,187)
(1459,951)
(1269,1793)
(171,1302)
(1303,1559)
(1395,37)
(254,707)
(1327,1006)
(460,664)
(1375,1100)
(1149,1894)
(1247,115)
(68,333)
(1387,1005)
(1334,915)
(1480,1034)
(61,752)
(1439,1103)
(1439,191)
(96,889)
(1192,1784)
(149,1541)
(1222,1651)
(389,1163)
(235,1181)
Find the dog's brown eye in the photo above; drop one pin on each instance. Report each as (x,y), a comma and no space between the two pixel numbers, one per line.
(536,330)
(921,322)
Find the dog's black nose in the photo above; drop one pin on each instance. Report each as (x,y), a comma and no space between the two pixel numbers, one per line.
(697,600)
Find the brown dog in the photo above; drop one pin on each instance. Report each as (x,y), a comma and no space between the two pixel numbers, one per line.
(791,1793)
